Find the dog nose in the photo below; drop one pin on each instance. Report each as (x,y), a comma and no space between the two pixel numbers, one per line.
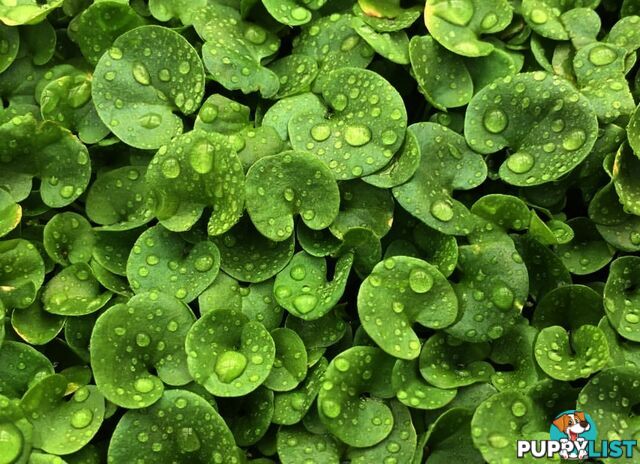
(584,424)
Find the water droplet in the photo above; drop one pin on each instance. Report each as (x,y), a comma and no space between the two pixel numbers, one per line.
(289,194)
(164,75)
(115,53)
(230,365)
(67,191)
(498,441)
(502,297)
(140,74)
(142,340)
(187,440)
(201,158)
(184,67)
(357,135)
(520,162)
(495,121)
(208,113)
(150,120)
(339,102)
(342,364)
(171,168)
(305,303)
(255,35)
(320,132)
(349,43)
(389,137)
(300,14)
(518,408)
(442,210)
(81,418)
(538,16)
(331,409)
(632,318)
(553,356)
(397,307)
(143,385)
(204,263)
(575,140)
(602,55)
(298,272)
(420,280)
(489,21)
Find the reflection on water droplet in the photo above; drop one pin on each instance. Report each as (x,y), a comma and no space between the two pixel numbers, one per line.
(140,74)
(420,281)
(170,168)
(202,157)
(144,385)
(81,418)
(187,440)
(357,135)
(320,132)
(305,303)
(520,162)
(150,120)
(538,16)
(442,210)
(575,140)
(495,121)
(230,365)
(204,263)
(331,409)
(602,55)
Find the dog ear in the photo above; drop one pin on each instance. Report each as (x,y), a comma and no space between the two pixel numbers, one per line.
(562,422)
(580,416)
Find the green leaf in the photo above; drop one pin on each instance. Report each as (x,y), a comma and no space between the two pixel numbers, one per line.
(294,183)
(365,127)
(296,444)
(9,51)
(163,261)
(241,351)
(398,293)
(302,288)
(290,363)
(35,326)
(182,424)
(234,49)
(21,274)
(414,391)
(10,213)
(18,12)
(620,296)
(21,366)
(138,347)
(194,171)
(587,252)
(60,426)
(547,141)
(359,369)
(138,84)
(68,239)
(74,291)
(428,194)
(460,25)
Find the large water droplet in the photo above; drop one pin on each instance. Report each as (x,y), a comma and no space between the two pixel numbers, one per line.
(331,409)
(498,441)
(204,263)
(420,281)
(230,365)
(495,121)
(602,55)
(520,162)
(170,168)
(305,303)
(255,35)
(357,135)
(538,16)
(187,440)
(202,157)
(300,14)
(574,140)
(143,385)
(442,210)
(81,418)
(320,132)
(140,74)
(150,120)
(502,297)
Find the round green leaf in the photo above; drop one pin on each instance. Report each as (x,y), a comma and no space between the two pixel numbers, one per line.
(357,420)
(549,127)
(447,85)
(318,333)
(234,49)
(296,445)
(295,72)
(394,46)
(120,199)
(448,439)
(517,368)
(61,426)
(401,167)
(181,425)
(21,274)
(249,416)
(164,10)
(14,13)
(279,115)
(399,292)
(620,297)
(365,128)
(492,304)
(197,170)
(163,261)
(10,213)
(428,194)
(414,391)
(249,256)
(112,248)
(587,252)
(440,352)
(35,326)
(21,366)
(221,114)
(146,75)
(290,364)
(11,42)
(74,291)
(282,186)
(68,239)
(302,287)
(459,25)
(240,353)
(130,340)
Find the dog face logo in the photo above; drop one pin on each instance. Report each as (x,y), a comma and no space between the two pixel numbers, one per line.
(573,429)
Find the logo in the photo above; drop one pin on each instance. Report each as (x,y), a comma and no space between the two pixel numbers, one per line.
(573,436)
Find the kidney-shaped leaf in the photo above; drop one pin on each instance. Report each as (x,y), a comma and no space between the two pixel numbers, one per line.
(130,340)
(147,74)
(290,183)
(21,274)
(621,297)
(546,123)
(399,292)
